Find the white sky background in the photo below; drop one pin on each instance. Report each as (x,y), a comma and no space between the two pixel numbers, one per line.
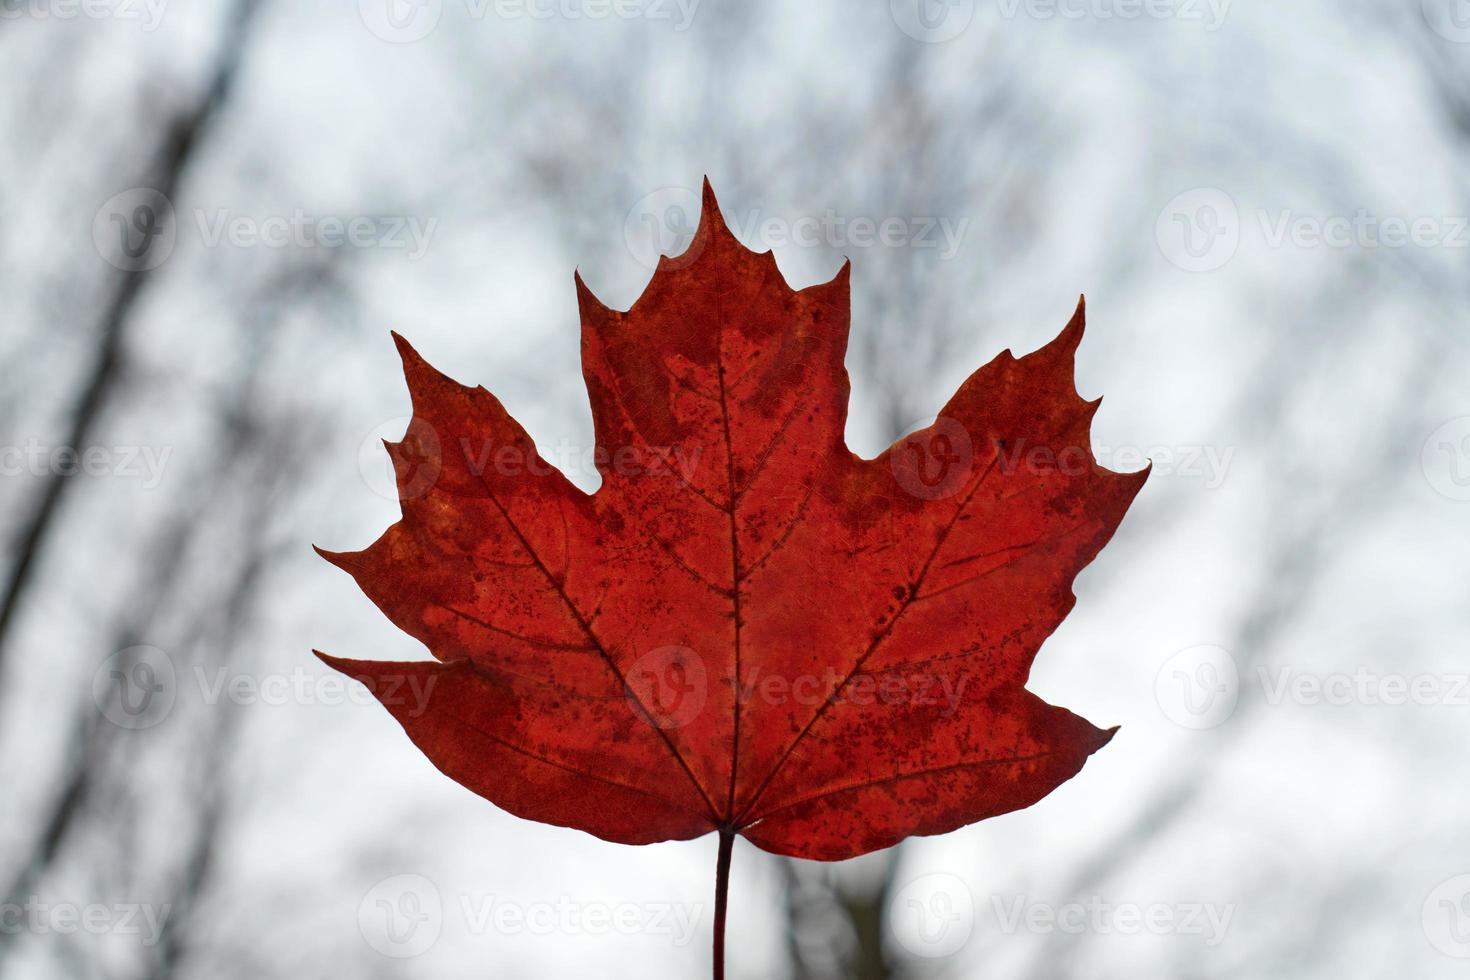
(1286,391)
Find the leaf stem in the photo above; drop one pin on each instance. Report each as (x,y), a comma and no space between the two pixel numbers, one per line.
(722,894)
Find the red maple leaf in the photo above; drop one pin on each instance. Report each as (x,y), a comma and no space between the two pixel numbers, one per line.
(747,628)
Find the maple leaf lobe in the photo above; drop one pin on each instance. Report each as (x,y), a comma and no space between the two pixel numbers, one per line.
(746,626)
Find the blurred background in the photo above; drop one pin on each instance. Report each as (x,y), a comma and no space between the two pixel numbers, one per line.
(212,214)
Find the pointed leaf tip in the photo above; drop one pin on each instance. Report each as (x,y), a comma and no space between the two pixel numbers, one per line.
(343,665)
(1070,338)
(710,218)
(345,560)
(1078,323)
(587,301)
(412,360)
(418,372)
